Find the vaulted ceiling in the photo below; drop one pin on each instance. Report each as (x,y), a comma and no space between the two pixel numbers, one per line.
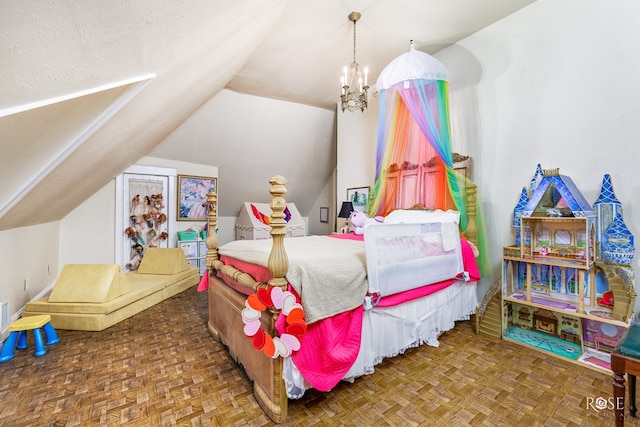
(89,87)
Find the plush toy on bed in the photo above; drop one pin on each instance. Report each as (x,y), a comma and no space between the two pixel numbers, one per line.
(359,219)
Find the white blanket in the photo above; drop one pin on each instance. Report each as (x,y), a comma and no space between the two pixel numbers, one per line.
(328,273)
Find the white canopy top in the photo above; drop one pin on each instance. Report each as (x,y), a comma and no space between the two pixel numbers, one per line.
(412,65)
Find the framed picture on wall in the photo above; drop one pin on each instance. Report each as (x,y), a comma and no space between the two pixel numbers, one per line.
(359,196)
(192,196)
(324,214)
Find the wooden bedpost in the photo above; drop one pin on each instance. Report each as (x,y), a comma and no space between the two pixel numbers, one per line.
(471,232)
(276,406)
(212,235)
(212,257)
(278,261)
(225,322)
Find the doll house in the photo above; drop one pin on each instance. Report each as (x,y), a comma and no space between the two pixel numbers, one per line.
(570,268)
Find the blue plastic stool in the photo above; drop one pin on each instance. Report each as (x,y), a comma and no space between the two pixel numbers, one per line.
(18,333)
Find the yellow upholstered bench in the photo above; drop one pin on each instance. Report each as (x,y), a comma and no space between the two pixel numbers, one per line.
(18,333)
(93,297)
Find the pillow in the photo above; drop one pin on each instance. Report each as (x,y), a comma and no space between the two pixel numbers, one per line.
(163,261)
(89,283)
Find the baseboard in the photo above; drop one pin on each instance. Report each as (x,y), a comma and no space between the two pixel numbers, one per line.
(18,314)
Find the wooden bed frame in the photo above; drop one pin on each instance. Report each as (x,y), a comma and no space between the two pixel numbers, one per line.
(225,304)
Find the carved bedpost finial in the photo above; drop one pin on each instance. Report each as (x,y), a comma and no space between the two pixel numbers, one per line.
(278,262)
(212,236)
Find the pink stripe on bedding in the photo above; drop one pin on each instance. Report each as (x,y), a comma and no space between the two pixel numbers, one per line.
(469,261)
(204,283)
(259,273)
(347,236)
(396,299)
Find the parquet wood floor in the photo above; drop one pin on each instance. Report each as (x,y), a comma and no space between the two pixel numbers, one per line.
(161,368)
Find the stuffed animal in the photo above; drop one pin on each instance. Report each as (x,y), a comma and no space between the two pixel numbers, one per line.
(360,219)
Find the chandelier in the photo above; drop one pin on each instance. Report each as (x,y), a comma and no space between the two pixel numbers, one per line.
(354,82)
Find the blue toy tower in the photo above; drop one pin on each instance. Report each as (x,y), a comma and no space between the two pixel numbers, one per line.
(615,241)
(517,213)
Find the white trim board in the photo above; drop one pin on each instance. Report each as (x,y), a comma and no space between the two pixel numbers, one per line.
(120,203)
(137,85)
(144,79)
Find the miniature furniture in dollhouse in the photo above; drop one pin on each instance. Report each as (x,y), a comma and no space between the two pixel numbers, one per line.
(625,359)
(18,334)
(570,269)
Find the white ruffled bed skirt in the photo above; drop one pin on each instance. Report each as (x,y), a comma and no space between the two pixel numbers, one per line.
(389,331)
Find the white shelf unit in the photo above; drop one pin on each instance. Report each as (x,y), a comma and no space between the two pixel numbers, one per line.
(196,253)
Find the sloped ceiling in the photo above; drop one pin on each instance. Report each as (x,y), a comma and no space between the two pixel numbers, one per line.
(90,87)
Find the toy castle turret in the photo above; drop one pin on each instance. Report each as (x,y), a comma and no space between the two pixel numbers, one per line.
(615,241)
(517,213)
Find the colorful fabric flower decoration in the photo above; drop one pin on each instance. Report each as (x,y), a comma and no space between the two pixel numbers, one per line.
(295,325)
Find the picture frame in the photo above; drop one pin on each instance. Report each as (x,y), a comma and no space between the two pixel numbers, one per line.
(324,214)
(359,196)
(192,196)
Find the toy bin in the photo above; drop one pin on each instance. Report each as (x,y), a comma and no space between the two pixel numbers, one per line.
(187,235)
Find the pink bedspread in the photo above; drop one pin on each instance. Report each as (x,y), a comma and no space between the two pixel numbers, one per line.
(331,346)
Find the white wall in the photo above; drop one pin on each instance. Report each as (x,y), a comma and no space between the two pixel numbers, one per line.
(87,233)
(356,162)
(557,84)
(278,138)
(325,199)
(31,254)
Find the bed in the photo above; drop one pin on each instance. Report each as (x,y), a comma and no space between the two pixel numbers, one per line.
(359,325)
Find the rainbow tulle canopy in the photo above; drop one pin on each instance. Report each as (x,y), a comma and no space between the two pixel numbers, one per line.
(414,159)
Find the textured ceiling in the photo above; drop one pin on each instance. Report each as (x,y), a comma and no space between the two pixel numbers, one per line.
(287,50)
(302,57)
